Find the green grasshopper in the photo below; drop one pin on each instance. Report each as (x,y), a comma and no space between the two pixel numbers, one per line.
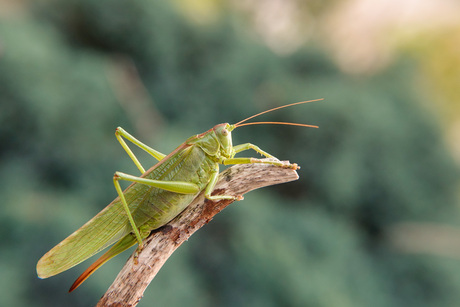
(156,197)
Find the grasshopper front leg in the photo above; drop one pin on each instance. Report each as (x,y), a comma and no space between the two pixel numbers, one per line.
(247,146)
(215,173)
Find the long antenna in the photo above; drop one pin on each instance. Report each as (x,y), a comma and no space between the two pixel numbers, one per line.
(239,124)
(277,123)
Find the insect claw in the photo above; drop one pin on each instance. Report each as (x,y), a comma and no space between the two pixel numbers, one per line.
(137,252)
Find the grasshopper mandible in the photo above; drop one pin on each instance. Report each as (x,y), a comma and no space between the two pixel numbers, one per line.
(156,197)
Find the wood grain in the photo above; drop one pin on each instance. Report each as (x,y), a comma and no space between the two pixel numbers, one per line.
(133,279)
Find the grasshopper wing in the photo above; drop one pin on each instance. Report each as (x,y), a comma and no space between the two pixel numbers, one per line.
(107,227)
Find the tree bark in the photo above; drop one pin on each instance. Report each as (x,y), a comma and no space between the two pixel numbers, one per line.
(133,279)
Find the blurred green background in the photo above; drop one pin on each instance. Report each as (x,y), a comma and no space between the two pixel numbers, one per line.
(373,219)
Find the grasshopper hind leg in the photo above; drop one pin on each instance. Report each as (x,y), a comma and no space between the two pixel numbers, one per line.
(173,186)
(116,178)
(120,132)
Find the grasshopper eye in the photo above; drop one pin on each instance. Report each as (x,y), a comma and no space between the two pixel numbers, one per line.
(224,132)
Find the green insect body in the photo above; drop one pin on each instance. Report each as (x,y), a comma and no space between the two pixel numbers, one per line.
(153,199)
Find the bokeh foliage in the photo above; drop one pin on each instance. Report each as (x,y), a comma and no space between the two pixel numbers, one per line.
(377,159)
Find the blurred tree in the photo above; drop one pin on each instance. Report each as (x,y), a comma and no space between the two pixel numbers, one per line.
(376,160)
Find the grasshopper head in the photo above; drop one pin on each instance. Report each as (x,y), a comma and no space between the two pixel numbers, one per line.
(224,135)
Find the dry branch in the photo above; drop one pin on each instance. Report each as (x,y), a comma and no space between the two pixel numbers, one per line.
(133,279)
